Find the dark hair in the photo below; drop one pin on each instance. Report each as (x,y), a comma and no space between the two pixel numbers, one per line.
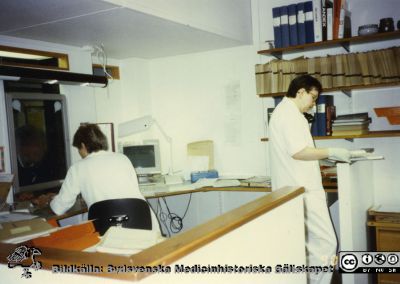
(91,136)
(303,81)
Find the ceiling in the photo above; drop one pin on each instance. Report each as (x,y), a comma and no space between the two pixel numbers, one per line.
(123,32)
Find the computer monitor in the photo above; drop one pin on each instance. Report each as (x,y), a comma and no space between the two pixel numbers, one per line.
(38,136)
(144,158)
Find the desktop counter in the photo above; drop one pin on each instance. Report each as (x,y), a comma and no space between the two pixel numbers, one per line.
(266,232)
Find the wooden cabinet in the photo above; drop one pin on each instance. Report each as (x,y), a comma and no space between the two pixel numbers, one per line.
(387,238)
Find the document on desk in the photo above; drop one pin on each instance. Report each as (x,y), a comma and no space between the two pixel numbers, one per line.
(127,241)
(226,183)
(12,217)
(20,231)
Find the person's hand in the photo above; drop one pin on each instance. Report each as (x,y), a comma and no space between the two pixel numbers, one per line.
(339,154)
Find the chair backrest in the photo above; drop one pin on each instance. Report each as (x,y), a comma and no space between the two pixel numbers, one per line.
(126,212)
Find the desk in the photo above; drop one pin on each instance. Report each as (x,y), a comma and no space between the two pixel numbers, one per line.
(163,190)
(182,207)
(78,208)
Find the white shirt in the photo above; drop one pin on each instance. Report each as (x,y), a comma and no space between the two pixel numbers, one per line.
(100,176)
(289,134)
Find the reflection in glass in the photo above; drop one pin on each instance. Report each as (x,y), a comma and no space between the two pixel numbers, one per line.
(40,158)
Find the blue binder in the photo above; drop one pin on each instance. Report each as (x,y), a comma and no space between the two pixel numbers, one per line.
(309,23)
(292,10)
(284,26)
(314,125)
(301,27)
(322,102)
(276,15)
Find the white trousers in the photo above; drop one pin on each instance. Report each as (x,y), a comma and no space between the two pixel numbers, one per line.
(321,240)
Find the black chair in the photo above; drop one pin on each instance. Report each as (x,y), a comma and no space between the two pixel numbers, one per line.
(127,212)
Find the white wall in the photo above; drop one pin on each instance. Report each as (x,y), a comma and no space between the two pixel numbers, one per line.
(211,95)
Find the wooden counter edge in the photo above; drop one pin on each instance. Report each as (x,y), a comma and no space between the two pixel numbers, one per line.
(172,249)
(211,188)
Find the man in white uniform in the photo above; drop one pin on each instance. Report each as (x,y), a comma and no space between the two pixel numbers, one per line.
(294,162)
(100,175)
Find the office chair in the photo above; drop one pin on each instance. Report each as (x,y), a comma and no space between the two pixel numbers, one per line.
(126,212)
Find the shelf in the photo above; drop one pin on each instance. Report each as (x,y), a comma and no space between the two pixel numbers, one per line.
(371,134)
(344,89)
(345,42)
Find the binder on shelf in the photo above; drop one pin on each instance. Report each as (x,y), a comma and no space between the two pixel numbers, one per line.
(330,117)
(285,26)
(337,4)
(344,24)
(276,16)
(317,20)
(292,11)
(323,102)
(329,19)
(325,5)
(301,28)
(314,124)
(309,21)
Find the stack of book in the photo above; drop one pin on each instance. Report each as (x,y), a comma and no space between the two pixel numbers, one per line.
(353,69)
(310,21)
(351,124)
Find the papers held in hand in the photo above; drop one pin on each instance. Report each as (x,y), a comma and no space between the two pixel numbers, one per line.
(361,155)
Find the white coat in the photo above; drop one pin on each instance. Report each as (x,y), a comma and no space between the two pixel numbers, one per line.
(289,133)
(99,176)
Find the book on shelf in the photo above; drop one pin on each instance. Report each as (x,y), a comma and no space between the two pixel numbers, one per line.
(364,69)
(276,17)
(309,21)
(351,116)
(337,5)
(285,26)
(330,117)
(329,19)
(323,102)
(344,29)
(346,70)
(317,20)
(312,120)
(326,71)
(354,70)
(350,126)
(324,20)
(301,28)
(349,132)
(292,10)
